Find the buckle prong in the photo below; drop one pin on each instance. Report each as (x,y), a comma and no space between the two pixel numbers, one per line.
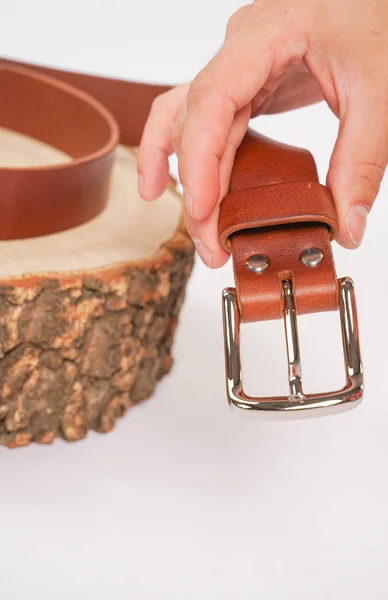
(297,403)
(292,342)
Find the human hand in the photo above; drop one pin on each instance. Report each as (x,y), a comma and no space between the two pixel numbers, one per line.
(277,56)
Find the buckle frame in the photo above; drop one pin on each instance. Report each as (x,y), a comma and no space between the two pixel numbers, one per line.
(297,404)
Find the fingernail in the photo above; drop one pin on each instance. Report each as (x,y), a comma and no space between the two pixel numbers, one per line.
(140,183)
(188,201)
(203,251)
(356,223)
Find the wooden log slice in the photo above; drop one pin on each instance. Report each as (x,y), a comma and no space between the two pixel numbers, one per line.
(88,315)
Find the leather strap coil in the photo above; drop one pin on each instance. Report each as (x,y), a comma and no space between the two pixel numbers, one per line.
(36,201)
(84,116)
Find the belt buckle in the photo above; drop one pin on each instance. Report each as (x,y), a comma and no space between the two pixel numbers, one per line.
(297,404)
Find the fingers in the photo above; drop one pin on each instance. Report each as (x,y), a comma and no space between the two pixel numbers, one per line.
(235,137)
(359,160)
(236,20)
(156,146)
(227,85)
(163,132)
(205,232)
(204,123)
(162,135)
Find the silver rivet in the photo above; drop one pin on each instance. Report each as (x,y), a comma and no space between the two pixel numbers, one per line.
(311,257)
(257,263)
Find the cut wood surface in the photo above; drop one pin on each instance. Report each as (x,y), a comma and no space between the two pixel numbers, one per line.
(88,315)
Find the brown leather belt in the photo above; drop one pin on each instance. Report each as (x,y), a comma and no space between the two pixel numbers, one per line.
(277,220)
(81,115)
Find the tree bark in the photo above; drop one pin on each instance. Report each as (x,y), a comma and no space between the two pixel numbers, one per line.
(76,351)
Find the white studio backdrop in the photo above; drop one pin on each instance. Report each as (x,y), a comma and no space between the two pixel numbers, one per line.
(183,500)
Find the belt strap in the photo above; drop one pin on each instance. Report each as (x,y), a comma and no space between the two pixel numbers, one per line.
(277,209)
(82,115)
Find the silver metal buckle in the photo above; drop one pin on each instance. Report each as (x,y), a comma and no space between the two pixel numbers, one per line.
(297,404)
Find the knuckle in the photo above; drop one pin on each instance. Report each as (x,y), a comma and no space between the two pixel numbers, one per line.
(206,90)
(236,18)
(158,103)
(165,100)
(199,89)
(286,33)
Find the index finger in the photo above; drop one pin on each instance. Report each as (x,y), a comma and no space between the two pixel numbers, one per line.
(226,85)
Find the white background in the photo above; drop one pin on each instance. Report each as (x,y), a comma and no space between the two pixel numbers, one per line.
(184,500)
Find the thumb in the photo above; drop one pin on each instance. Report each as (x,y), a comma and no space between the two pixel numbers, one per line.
(358,163)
